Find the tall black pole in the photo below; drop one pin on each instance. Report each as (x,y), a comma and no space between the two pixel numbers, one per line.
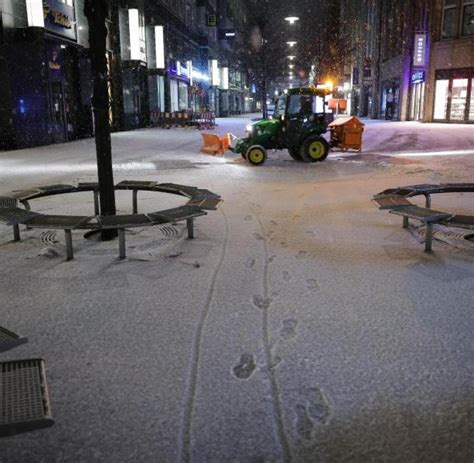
(96,13)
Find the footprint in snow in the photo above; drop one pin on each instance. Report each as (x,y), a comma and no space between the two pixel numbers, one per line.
(245,368)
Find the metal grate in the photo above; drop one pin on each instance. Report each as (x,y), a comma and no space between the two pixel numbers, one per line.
(15,216)
(119,221)
(183,190)
(178,213)
(134,185)
(420,213)
(390,201)
(9,340)
(7,202)
(207,204)
(24,402)
(205,194)
(59,221)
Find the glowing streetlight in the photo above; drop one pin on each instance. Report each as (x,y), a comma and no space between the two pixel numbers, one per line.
(329,85)
(291,57)
(291,66)
(292,19)
(291,43)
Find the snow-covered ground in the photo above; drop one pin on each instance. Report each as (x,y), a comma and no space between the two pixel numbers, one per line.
(302,324)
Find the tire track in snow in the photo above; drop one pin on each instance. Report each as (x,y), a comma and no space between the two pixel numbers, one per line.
(188,414)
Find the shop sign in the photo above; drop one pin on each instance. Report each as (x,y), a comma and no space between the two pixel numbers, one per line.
(417,77)
(178,69)
(419,50)
(59,18)
(55,63)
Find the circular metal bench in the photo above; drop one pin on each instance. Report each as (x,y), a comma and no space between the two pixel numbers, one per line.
(199,201)
(395,201)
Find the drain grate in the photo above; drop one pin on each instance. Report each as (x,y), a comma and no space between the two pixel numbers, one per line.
(450,236)
(169,231)
(49,237)
(24,401)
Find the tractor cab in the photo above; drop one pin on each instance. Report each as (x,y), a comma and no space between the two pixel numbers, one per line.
(298,121)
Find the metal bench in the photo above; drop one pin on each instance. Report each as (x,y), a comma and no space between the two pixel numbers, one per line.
(427,216)
(394,200)
(199,200)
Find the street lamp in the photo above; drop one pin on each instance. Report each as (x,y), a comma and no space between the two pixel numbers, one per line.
(292,19)
(291,57)
(291,43)
(291,66)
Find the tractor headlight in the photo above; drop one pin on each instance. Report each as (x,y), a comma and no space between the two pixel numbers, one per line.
(249,130)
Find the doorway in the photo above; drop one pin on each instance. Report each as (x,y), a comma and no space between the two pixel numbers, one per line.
(58,115)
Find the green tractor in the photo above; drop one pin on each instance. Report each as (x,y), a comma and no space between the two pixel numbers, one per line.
(298,122)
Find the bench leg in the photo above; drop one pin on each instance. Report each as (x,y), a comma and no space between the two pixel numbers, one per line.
(16,232)
(69,250)
(405,222)
(121,235)
(428,201)
(428,237)
(135,201)
(96,203)
(190,225)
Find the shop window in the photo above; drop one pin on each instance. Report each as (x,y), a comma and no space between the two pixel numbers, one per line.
(471,107)
(450,18)
(468,18)
(174,95)
(183,96)
(458,99)
(441,99)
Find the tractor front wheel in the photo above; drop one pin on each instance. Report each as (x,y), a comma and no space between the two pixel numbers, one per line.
(314,149)
(295,153)
(256,155)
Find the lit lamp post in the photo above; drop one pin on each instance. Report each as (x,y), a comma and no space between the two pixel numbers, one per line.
(291,43)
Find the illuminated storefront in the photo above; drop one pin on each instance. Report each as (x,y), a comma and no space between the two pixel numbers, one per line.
(417,95)
(454,96)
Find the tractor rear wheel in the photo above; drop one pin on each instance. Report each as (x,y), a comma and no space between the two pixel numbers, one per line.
(295,153)
(256,155)
(314,149)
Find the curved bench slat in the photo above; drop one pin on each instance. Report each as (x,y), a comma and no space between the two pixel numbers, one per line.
(421,213)
(62,222)
(15,216)
(461,221)
(124,221)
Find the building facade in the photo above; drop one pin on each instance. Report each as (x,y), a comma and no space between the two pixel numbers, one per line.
(162,56)
(408,60)
(44,73)
(451,70)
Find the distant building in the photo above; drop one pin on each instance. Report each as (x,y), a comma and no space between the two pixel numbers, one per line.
(44,73)
(450,96)
(408,60)
(162,56)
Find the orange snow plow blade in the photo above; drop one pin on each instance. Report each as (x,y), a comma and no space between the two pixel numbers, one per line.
(214,145)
